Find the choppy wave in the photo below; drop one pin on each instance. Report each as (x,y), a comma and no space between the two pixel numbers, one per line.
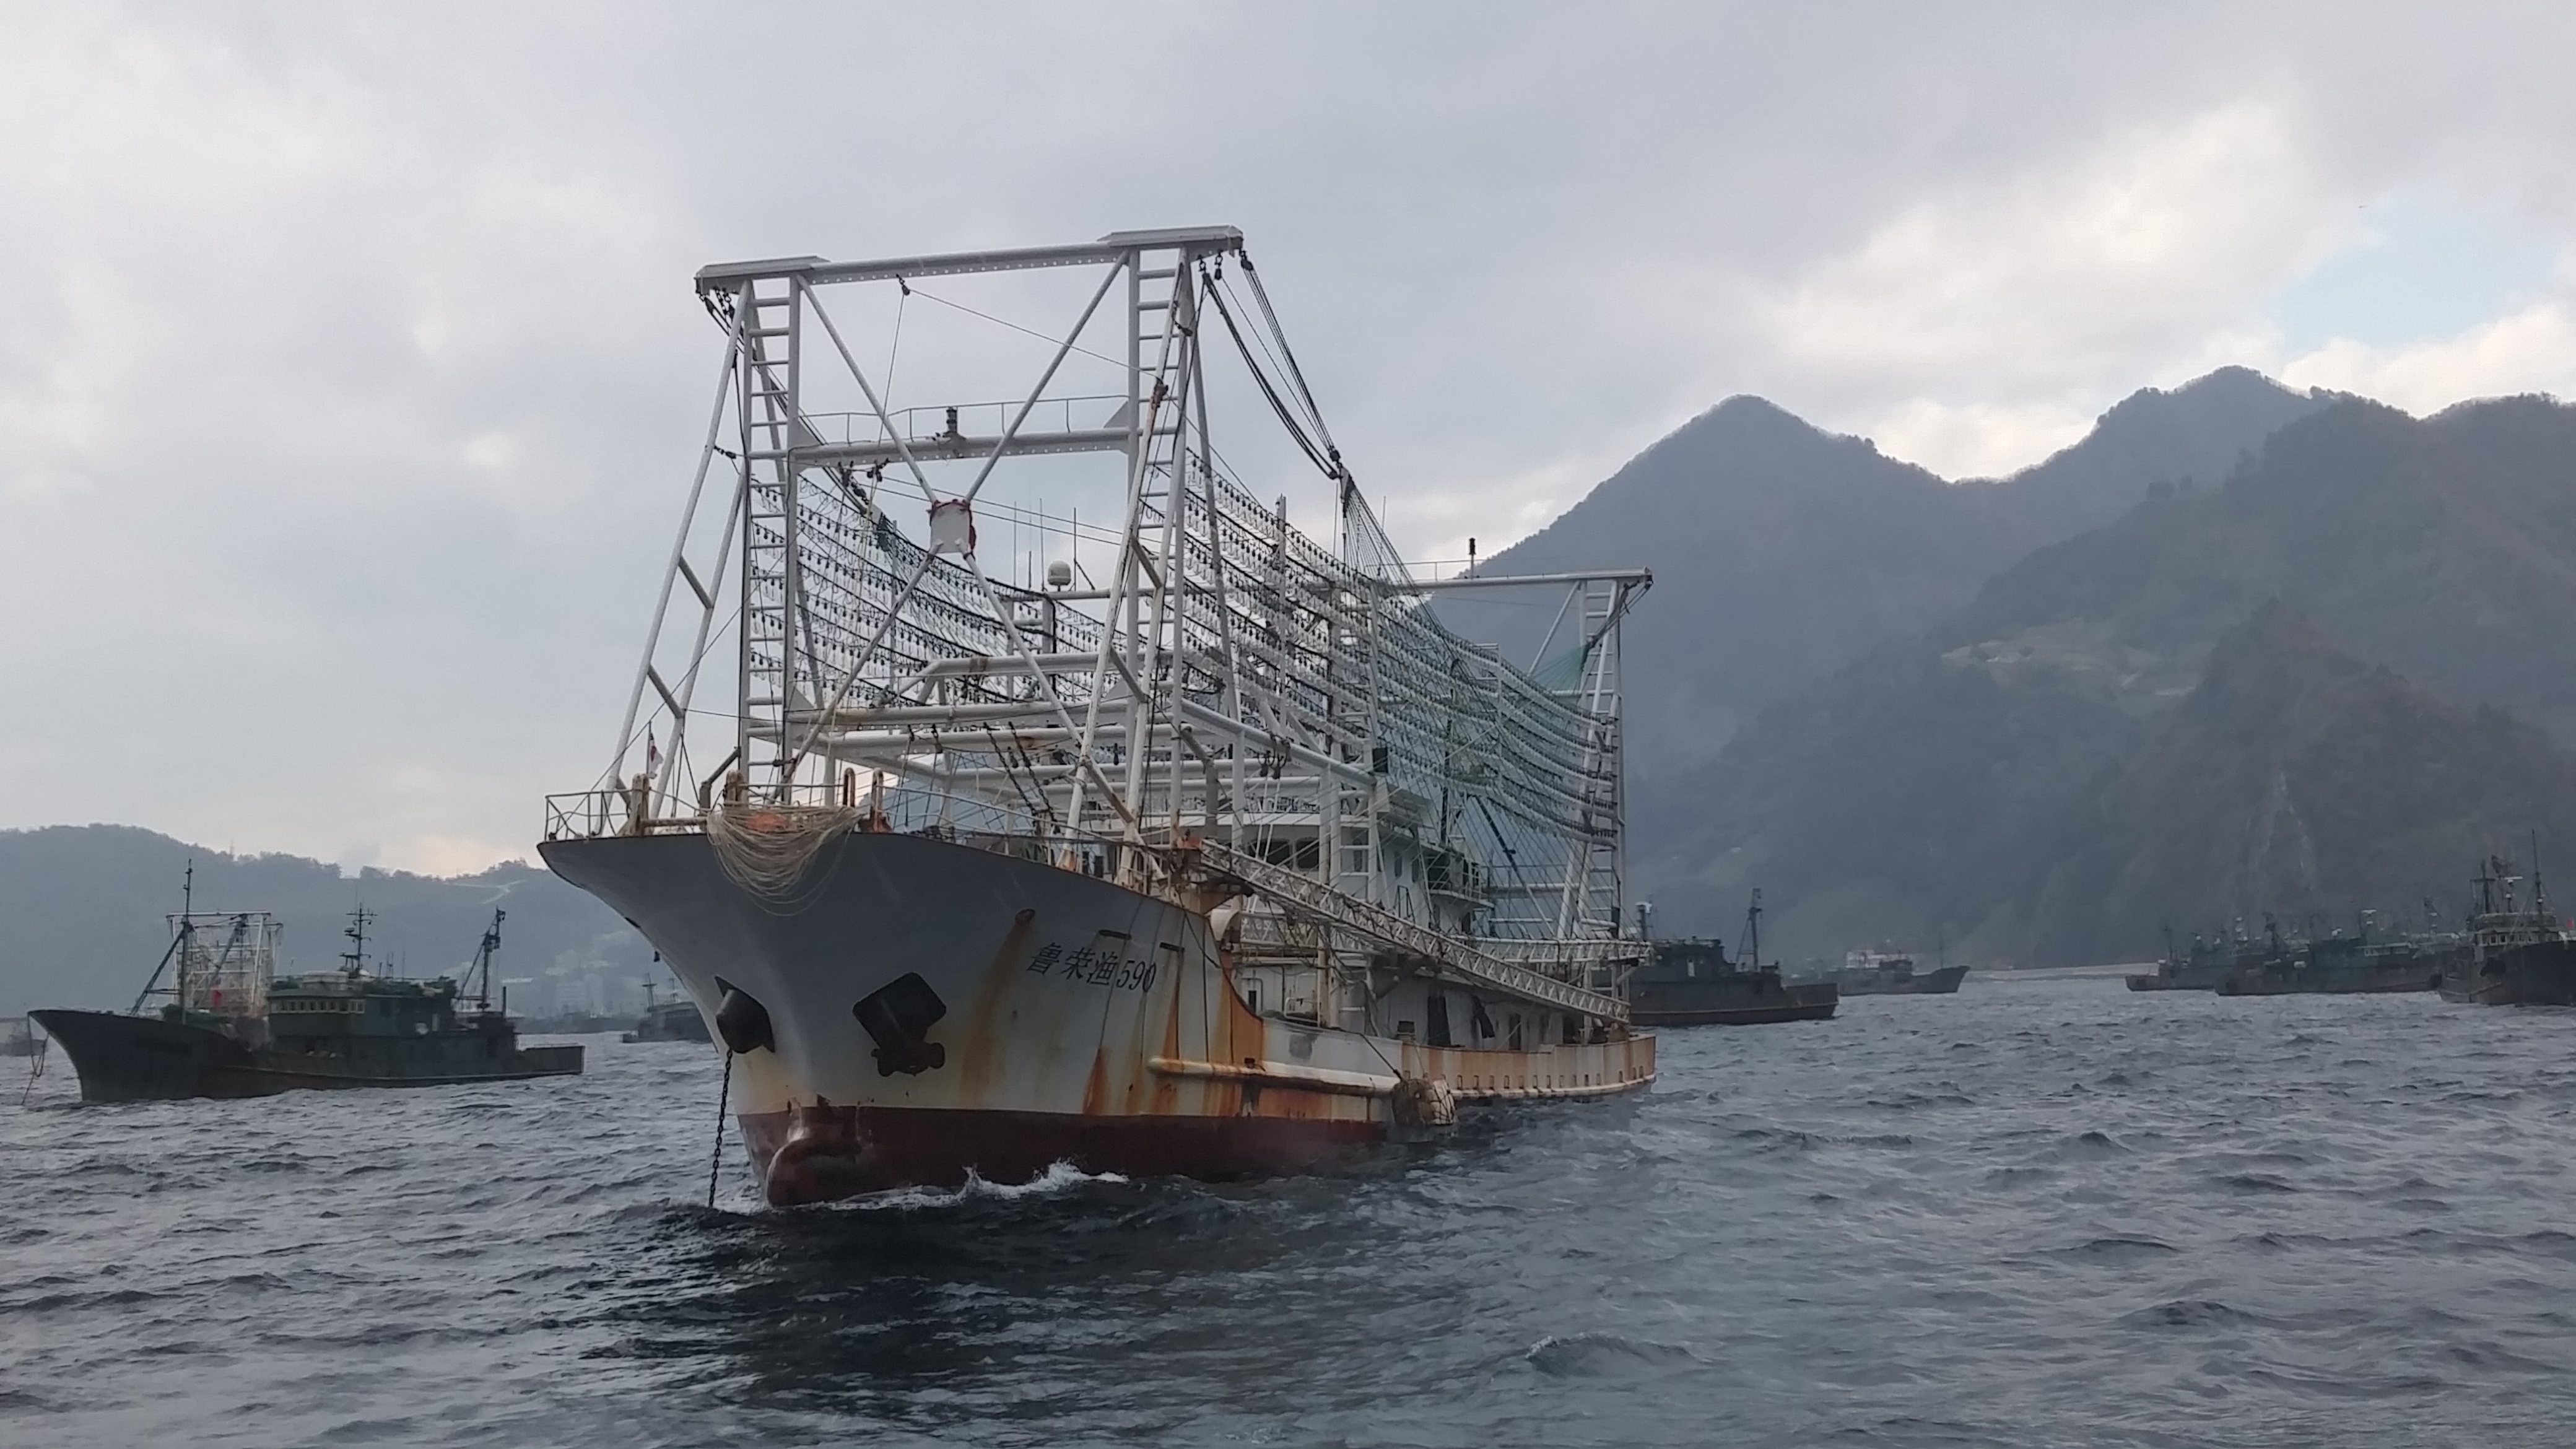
(1060,1177)
(2021,1216)
(1603,1355)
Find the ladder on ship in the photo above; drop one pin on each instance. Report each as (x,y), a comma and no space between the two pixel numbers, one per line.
(768,317)
(1592,885)
(1356,807)
(1162,362)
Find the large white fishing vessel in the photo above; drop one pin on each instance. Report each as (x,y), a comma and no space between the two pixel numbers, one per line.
(1182,844)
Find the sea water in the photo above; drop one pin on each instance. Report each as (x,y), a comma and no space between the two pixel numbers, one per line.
(2027,1214)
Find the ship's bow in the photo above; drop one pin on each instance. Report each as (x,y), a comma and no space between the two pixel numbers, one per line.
(918,1010)
(123,1058)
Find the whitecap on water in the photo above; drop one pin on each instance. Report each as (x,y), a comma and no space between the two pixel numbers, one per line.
(1603,1355)
(1060,1177)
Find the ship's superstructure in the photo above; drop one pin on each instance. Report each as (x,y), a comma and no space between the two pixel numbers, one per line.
(2519,952)
(1239,780)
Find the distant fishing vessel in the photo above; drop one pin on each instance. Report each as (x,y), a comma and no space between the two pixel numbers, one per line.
(1892,973)
(2520,954)
(1221,863)
(2366,963)
(677,1019)
(228,1026)
(2372,960)
(1692,983)
(2200,968)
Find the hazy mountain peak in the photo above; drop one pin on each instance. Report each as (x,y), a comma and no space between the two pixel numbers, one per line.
(1748,408)
(2500,415)
(1750,441)
(1782,551)
(2232,387)
(2193,436)
(2313,688)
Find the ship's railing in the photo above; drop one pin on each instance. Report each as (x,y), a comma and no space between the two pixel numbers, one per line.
(972,429)
(590,814)
(883,804)
(2503,931)
(1587,951)
(899,810)
(1583,960)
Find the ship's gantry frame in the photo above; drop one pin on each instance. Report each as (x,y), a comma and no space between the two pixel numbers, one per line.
(1228,700)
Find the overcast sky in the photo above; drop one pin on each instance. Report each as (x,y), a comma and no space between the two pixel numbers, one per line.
(350,372)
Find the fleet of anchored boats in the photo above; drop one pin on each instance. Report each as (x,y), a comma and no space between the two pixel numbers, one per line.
(2512,951)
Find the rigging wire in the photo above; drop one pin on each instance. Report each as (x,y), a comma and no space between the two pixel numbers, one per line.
(1270,391)
(1320,449)
(1041,809)
(894,349)
(715,636)
(1218,282)
(1261,295)
(929,295)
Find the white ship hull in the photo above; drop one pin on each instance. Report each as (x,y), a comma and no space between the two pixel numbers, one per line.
(934,1009)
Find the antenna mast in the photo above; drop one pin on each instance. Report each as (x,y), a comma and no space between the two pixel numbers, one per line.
(178,941)
(185,938)
(354,960)
(483,961)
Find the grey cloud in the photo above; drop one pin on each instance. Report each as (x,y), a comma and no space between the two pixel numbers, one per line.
(351,375)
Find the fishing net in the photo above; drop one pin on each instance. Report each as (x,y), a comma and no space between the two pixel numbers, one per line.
(768,850)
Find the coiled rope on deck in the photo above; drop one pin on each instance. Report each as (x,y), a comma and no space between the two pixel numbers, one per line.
(768,850)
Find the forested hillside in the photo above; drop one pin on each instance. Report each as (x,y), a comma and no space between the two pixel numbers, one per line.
(1781,552)
(1939,786)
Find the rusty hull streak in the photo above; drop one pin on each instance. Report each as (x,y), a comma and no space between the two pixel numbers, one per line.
(1095,1087)
(1165,1097)
(977,1068)
(1278,1076)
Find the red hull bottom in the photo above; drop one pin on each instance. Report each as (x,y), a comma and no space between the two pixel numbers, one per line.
(820,1153)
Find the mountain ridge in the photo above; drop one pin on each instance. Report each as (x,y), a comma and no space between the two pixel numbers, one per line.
(1782,551)
(1885,800)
